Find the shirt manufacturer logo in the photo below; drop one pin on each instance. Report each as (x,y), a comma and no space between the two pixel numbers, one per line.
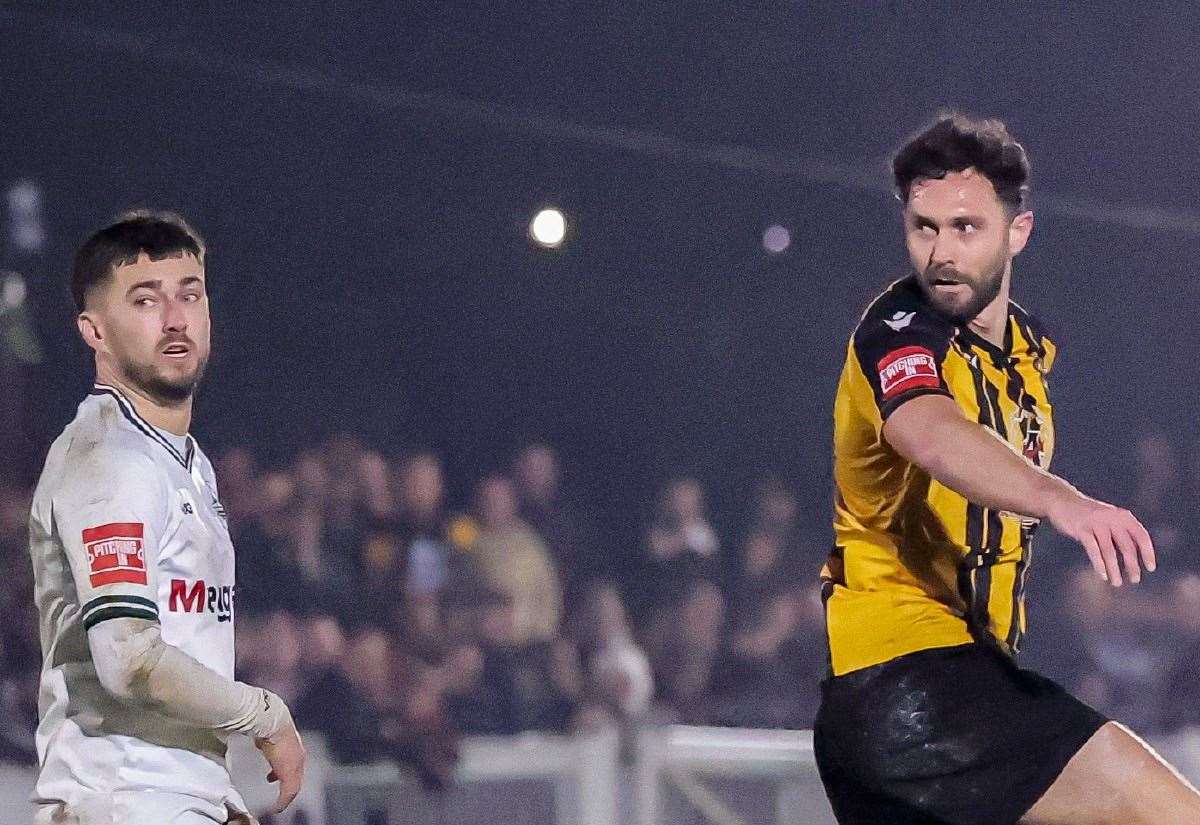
(900,320)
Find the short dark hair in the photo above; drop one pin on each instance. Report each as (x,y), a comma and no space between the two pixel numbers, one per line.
(157,234)
(955,142)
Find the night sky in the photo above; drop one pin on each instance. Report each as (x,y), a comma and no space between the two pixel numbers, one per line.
(364,182)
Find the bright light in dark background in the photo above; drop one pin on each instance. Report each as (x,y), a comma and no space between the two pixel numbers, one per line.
(548,228)
(776,239)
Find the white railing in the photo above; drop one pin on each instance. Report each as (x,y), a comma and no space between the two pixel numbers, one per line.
(716,776)
(684,760)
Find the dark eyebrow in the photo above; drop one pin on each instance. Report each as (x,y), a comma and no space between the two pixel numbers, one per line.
(188,281)
(144,285)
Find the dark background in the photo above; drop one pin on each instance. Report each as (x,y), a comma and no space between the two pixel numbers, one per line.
(364,178)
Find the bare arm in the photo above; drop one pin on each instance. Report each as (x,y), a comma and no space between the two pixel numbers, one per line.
(932,433)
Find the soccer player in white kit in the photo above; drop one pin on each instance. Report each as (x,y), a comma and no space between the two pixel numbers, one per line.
(133,563)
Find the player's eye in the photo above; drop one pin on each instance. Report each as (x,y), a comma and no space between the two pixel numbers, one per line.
(191,297)
(143,301)
(966,227)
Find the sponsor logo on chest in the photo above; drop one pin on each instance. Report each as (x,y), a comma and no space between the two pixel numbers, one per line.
(194,596)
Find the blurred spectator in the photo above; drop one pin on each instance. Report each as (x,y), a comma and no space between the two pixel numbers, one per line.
(414,555)
(572,542)
(680,531)
(270,652)
(681,546)
(268,575)
(1132,641)
(1158,478)
(512,559)
(618,678)
(770,670)
(20,653)
(238,485)
(683,640)
(517,684)
(775,511)
(377,704)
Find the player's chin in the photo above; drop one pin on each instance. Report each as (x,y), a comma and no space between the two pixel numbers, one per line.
(177,383)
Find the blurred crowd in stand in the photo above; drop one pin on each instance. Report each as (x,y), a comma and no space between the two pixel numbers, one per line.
(395,621)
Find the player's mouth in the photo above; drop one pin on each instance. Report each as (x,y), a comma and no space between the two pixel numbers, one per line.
(176,350)
(948,285)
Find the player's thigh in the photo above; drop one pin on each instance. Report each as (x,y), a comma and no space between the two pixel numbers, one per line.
(1116,779)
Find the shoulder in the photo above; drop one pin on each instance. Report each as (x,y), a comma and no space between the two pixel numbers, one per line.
(104,467)
(201,460)
(900,307)
(1031,326)
(900,317)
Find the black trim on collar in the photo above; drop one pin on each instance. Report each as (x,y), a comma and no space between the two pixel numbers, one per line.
(148,429)
(999,355)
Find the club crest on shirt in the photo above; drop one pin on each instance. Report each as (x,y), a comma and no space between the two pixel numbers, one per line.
(115,553)
(1033,443)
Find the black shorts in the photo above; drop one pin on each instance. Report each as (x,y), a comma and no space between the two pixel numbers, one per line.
(950,736)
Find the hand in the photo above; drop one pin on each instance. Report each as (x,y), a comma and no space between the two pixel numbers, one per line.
(242,819)
(285,753)
(1106,533)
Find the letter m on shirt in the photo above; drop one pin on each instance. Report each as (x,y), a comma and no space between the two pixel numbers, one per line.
(192,600)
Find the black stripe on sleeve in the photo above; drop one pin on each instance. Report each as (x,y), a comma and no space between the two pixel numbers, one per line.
(132,601)
(118,612)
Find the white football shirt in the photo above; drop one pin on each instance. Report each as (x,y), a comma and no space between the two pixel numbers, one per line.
(125,524)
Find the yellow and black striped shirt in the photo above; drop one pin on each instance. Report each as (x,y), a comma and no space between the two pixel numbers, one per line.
(916,565)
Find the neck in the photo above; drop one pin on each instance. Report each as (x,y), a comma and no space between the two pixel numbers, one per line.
(992,323)
(174,418)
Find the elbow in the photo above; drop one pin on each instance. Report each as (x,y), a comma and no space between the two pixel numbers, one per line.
(124,662)
(930,458)
(117,679)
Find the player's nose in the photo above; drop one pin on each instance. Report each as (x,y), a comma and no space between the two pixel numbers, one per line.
(174,318)
(942,252)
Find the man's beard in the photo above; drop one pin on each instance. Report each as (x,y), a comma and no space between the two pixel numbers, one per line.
(166,391)
(982,293)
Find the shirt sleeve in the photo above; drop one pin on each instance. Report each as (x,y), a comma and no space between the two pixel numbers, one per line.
(111,515)
(901,349)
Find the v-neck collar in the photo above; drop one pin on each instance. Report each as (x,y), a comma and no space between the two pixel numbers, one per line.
(147,429)
(999,354)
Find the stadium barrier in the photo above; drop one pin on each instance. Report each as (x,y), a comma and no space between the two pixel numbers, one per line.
(672,775)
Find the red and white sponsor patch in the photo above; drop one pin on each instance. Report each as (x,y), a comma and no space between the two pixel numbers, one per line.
(905,369)
(115,553)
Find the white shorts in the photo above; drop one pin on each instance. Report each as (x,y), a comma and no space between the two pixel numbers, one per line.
(135,808)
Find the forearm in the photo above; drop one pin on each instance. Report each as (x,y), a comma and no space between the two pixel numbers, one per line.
(975,463)
(136,665)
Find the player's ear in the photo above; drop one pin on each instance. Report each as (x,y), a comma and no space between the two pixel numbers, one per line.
(1019,231)
(89,330)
